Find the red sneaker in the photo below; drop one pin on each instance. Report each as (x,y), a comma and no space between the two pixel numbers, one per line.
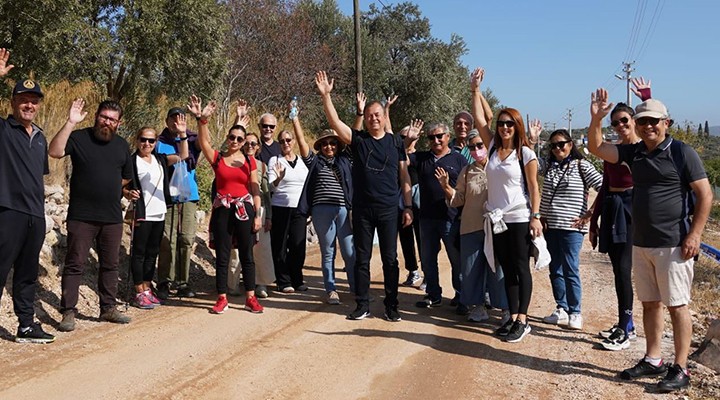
(220,305)
(252,305)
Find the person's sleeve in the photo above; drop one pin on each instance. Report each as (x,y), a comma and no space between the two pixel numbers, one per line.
(46,167)
(70,145)
(271,169)
(309,159)
(127,170)
(694,169)
(625,153)
(591,177)
(528,155)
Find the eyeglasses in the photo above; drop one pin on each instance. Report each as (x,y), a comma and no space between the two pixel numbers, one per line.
(108,119)
(559,145)
(436,136)
(623,120)
(507,124)
(251,144)
(285,141)
(147,140)
(233,138)
(329,143)
(474,147)
(267,126)
(648,120)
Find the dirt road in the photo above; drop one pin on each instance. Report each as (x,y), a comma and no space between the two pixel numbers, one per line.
(301,348)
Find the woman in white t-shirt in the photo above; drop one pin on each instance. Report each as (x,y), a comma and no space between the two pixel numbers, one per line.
(150,192)
(513,201)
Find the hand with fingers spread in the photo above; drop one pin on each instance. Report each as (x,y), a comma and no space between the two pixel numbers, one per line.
(76,111)
(442,176)
(476,78)
(415,128)
(391,100)
(242,108)
(599,106)
(279,171)
(209,109)
(195,106)
(641,88)
(534,131)
(4,66)
(360,101)
(178,124)
(244,121)
(324,85)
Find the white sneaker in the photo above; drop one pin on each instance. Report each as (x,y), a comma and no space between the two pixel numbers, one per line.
(575,322)
(617,341)
(333,298)
(558,317)
(261,291)
(478,314)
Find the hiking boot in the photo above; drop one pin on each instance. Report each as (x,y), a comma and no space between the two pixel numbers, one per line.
(220,305)
(642,369)
(261,291)
(163,291)
(413,279)
(558,317)
(575,322)
(518,331)
(617,341)
(185,291)
(333,298)
(462,309)
(252,305)
(33,334)
(359,313)
(392,314)
(143,302)
(152,297)
(428,302)
(504,329)
(675,379)
(68,322)
(114,316)
(478,314)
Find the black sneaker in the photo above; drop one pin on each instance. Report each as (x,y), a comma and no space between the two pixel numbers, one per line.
(642,369)
(504,330)
(675,379)
(392,314)
(34,334)
(359,313)
(518,331)
(428,302)
(184,291)
(413,279)
(455,301)
(302,288)
(162,291)
(462,309)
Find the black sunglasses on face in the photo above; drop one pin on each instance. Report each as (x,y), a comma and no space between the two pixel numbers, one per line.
(648,120)
(436,136)
(623,120)
(147,140)
(559,145)
(251,144)
(473,147)
(329,143)
(232,138)
(267,126)
(508,124)
(281,141)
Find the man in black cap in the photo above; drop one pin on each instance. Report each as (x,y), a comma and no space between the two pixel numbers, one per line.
(23,162)
(180,222)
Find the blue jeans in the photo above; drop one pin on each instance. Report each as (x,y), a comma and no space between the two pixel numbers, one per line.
(333,222)
(432,231)
(478,278)
(564,247)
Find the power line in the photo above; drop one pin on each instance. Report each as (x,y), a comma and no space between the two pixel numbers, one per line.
(651,28)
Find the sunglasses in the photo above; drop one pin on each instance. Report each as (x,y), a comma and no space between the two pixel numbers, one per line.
(474,147)
(329,143)
(648,120)
(147,140)
(507,124)
(282,141)
(267,126)
(623,120)
(436,136)
(559,145)
(233,138)
(251,144)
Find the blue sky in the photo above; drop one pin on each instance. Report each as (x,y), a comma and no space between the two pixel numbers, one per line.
(543,57)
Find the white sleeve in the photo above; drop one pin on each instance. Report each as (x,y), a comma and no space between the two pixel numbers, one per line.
(528,155)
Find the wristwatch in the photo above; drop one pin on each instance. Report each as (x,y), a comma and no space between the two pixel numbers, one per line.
(536,215)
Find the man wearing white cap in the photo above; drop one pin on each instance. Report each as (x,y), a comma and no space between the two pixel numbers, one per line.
(666,173)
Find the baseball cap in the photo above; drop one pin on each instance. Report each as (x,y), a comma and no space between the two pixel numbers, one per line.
(27,86)
(651,108)
(175,111)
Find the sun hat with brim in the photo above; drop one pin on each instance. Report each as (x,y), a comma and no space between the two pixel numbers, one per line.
(651,108)
(327,133)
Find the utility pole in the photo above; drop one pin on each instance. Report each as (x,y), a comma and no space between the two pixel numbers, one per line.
(627,69)
(358,49)
(569,118)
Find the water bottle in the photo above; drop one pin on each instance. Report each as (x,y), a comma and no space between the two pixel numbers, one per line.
(294,107)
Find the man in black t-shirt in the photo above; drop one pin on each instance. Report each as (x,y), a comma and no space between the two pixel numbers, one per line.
(101,167)
(379,175)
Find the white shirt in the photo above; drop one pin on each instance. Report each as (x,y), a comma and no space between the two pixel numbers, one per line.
(505,183)
(151,182)
(287,193)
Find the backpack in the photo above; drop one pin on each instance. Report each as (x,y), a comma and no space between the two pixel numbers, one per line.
(678,158)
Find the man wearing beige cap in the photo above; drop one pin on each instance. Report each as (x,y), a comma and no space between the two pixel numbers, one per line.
(667,229)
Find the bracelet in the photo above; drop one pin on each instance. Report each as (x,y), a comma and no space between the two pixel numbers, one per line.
(408,208)
(203,121)
(359,114)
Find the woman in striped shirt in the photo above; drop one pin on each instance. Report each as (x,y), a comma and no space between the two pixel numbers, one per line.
(563,206)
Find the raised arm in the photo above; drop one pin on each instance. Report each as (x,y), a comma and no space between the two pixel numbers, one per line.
(300,136)
(478,109)
(360,100)
(179,124)
(324,87)
(76,115)
(242,110)
(407,216)
(599,108)
(390,101)
(203,130)
(641,88)
(4,66)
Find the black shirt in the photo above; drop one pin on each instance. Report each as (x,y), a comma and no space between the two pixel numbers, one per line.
(432,195)
(98,170)
(269,151)
(23,162)
(376,169)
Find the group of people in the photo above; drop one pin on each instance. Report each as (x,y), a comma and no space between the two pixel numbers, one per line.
(477,194)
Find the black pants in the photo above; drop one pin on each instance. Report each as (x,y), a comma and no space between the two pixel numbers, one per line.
(287,240)
(621,258)
(512,250)
(365,222)
(145,250)
(226,227)
(21,238)
(408,236)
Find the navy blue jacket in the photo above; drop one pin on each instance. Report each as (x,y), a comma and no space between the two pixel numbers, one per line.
(344,163)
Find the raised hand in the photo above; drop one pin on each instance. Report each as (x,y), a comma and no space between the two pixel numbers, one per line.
(360,101)
(279,171)
(242,108)
(76,111)
(442,177)
(179,123)
(415,128)
(535,129)
(324,85)
(476,78)
(391,100)
(195,105)
(4,66)
(209,109)
(244,121)
(641,88)
(599,106)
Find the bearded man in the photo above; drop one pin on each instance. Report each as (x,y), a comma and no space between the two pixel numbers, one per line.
(101,166)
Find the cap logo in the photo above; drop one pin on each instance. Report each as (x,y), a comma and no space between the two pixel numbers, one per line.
(28,84)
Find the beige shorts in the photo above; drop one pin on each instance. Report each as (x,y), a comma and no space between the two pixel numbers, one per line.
(661,274)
